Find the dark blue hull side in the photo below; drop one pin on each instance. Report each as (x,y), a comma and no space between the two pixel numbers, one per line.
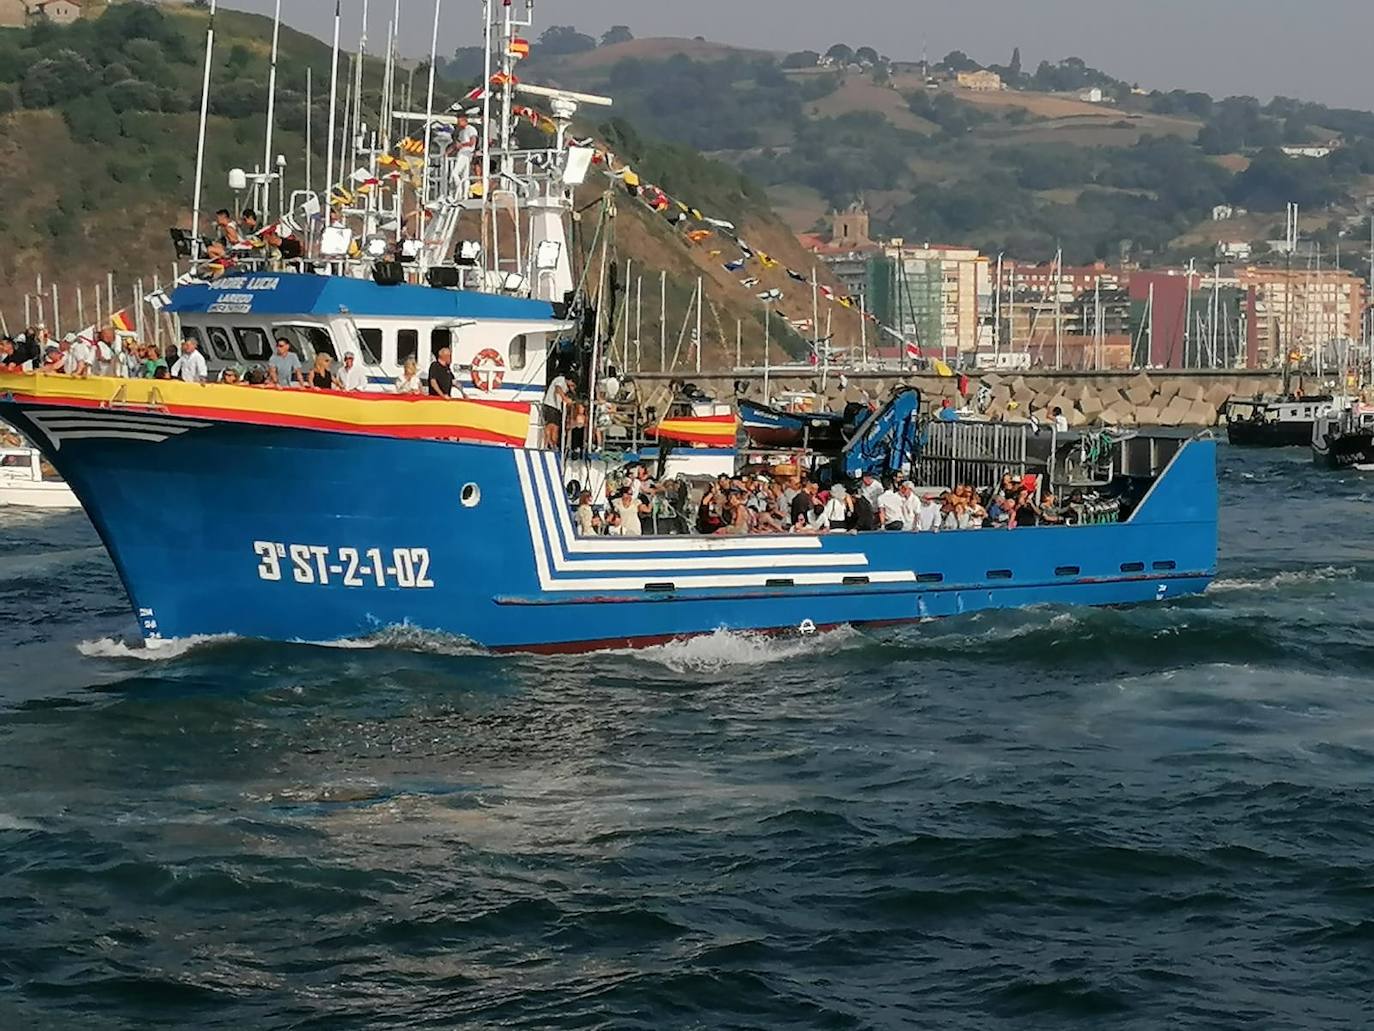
(290,534)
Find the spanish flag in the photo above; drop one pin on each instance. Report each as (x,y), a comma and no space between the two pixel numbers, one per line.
(122,321)
(519,48)
(712,430)
(413,146)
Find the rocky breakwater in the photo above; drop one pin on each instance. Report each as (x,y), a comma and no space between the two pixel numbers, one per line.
(1136,401)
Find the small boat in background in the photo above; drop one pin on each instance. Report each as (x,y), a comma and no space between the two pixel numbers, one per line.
(27,481)
(1344,439)
(794,426)
(1277,421)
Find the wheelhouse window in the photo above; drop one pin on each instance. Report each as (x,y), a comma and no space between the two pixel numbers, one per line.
(219,343)
(515,358)
(371,339)
(306,341)
(439,339)
(407,345)
(253,343)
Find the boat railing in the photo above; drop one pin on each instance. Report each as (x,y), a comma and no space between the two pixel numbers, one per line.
(974,453)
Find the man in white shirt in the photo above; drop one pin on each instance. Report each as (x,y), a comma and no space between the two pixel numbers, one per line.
(80,360)
(891,510)
(911,506)
(928,517)
(1061,421)
(191,367)
(871,489)
(465,152)
(352,376)
(556,400)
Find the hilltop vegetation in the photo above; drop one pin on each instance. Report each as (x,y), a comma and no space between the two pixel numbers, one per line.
(1025,170)
(98,126)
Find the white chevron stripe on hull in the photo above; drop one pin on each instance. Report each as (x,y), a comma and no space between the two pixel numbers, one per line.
(61,426)
(559,530)
(545,514)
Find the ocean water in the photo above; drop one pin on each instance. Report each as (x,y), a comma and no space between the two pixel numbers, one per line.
(1149,818)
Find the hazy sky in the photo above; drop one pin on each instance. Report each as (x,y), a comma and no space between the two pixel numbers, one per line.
(1312,49)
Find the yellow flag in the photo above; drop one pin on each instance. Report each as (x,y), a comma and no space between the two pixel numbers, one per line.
(941,369)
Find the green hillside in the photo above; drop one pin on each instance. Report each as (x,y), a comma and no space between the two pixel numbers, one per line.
(1024,170)
(98,128)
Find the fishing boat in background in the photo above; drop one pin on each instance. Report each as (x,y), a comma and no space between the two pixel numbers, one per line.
(1277,421)
(1344,439)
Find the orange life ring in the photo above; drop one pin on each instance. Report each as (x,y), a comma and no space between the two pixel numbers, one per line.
(488,370)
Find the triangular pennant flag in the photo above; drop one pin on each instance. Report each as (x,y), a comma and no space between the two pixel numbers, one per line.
(797,276)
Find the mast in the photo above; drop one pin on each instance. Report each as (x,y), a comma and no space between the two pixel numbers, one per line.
(486,127)
(1059,309)
(271,113)
(700,290)
(359,71)
(309,123)
(997,314)
(1188,316)
(204,114)
(429,104)
(333,108)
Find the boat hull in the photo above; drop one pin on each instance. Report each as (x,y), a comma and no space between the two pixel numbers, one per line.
(1255,433)
(1344,451)
(302,534)
(38,495)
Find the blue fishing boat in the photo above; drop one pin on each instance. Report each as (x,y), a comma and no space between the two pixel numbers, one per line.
(321,515)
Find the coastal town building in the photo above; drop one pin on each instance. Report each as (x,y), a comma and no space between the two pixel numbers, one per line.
(15,14)
(981,81)
(933,295)
(1299,311)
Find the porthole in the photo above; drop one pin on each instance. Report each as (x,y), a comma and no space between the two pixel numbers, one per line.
(471,495)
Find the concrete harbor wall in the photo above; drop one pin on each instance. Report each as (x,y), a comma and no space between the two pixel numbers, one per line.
(1154,398)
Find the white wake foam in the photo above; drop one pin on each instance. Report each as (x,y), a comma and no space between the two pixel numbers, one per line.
(1286,579)
(409,639)
(149,651)
(726,648)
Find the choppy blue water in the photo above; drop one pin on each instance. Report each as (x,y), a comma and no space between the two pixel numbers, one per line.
(1161,817)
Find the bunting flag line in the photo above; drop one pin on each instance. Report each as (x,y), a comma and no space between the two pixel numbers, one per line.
(797,276)
(734,266)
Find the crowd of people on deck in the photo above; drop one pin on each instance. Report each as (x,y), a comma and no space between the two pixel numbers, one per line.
(116,355)
(635,504)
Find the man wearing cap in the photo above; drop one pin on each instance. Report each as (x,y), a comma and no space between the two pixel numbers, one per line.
(80,358)
(928,514)
(352,376)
